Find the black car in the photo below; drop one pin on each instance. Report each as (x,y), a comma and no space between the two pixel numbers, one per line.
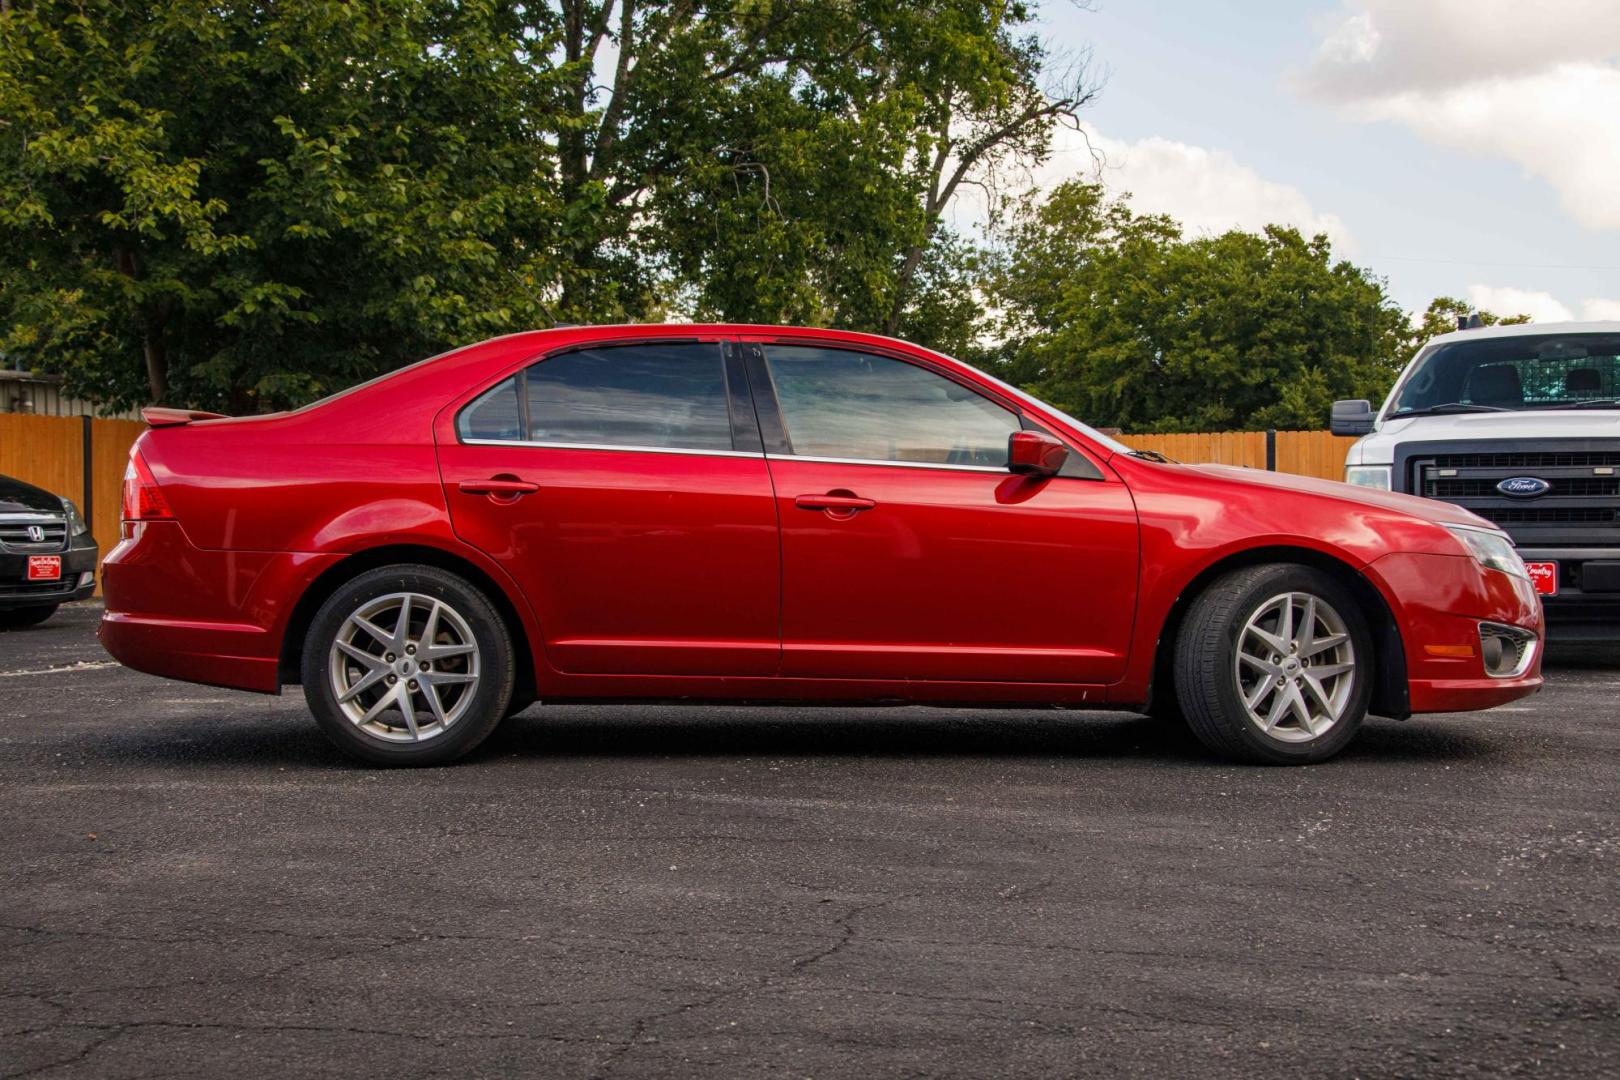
(47,555)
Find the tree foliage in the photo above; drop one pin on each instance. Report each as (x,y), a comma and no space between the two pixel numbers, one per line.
(243,205)
(232,205)
(1121,319)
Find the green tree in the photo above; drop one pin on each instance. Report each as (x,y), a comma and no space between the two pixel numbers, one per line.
(1120,319)
(264,202)
(816,191)
(243,205)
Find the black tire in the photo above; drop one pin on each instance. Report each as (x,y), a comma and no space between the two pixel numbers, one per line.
(486,702)
(1206,667)
(23,618)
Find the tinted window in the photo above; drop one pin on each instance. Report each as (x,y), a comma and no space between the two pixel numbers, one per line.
(634,395)
(662,396)
(494,415)
(837,403)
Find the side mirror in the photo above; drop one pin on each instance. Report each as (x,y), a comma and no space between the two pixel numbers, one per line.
(1035,453)
(1352,417)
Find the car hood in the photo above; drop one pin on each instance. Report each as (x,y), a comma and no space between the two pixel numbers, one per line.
(17,497)
(1379,447)
(1441,513)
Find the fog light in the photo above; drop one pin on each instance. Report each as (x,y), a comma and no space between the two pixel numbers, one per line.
(87,578)
(1506,650)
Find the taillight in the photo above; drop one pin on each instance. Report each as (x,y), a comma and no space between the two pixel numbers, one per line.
(143,499)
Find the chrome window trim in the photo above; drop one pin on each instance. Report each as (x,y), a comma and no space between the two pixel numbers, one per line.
(732,453)
(612,446)
(885,461)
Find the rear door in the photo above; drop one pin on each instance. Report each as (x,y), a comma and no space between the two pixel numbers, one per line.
(908,549)
(623,487)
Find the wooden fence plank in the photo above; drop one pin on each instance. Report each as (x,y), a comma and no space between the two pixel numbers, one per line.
(1304,453)
(48,451)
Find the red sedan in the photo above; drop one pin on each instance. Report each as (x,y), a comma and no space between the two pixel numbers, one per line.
(721,513)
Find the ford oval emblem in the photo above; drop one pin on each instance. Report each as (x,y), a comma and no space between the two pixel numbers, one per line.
(1523,487)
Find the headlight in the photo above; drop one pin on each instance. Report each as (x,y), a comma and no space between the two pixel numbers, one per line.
(1491,548)
(75,520)
(1367,476)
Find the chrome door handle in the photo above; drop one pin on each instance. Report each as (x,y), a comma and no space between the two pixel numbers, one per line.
(848,504)
(501,487)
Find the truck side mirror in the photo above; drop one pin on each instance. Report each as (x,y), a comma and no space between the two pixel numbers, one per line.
(1352,417)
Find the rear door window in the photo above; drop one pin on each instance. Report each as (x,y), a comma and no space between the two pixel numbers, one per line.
(656,396)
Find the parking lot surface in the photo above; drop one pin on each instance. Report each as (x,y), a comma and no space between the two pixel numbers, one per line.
(196,884)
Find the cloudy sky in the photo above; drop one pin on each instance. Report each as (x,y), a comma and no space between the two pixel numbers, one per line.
(1457,147)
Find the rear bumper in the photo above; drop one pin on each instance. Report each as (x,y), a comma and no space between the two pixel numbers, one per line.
(201,615)
(1440,602)
(17,592)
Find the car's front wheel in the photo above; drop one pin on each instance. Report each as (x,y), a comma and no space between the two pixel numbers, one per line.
(408,665)
(1274,664)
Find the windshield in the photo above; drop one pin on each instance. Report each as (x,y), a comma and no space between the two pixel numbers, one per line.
(1539,371)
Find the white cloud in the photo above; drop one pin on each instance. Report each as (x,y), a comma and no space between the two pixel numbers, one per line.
(1540,306)
(1207,190)
(1596,308)
(1507,301)
(1535,83)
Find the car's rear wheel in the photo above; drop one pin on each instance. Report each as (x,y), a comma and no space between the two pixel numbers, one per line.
(408,665)
(1274,664)
(23,618)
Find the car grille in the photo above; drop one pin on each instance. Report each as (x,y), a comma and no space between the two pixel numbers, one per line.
(15,535)
(1581,507)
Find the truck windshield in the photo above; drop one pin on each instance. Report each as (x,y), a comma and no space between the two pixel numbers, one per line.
(1533,371)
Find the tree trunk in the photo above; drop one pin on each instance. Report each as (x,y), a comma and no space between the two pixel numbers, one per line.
(902,284)
(157,362)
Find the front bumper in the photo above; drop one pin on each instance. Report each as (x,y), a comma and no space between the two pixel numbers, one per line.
(18,592)
(1579,613)
(1440,601)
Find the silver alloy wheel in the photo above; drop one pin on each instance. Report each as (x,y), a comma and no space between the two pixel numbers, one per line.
(1295,667)
(404,667)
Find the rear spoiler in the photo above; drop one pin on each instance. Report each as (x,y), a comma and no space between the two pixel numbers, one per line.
(155,416)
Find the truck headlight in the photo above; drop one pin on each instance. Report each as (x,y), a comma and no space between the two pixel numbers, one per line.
(1491,548)
(1367,476)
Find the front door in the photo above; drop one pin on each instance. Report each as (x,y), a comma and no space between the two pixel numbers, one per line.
(908,549)
(613,486)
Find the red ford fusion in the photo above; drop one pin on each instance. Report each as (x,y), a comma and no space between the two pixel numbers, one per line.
(724,513)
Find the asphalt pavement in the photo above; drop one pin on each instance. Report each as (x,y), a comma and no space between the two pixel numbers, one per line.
(195,883)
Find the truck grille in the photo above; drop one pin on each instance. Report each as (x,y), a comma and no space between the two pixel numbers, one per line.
(15,535)
(1581,506)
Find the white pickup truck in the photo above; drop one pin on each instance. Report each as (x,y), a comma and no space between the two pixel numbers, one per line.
(1521,425)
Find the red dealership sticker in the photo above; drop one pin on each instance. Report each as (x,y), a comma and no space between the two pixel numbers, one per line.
(1544,576)
(44,567)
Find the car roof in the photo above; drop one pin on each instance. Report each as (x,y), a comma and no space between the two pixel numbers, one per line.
(1527,330)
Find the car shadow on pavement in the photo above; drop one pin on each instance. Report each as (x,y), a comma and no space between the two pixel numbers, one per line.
(916,733)
(614,732)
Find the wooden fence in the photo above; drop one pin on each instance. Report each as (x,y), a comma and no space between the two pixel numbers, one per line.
(1305,453)
(49,451)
